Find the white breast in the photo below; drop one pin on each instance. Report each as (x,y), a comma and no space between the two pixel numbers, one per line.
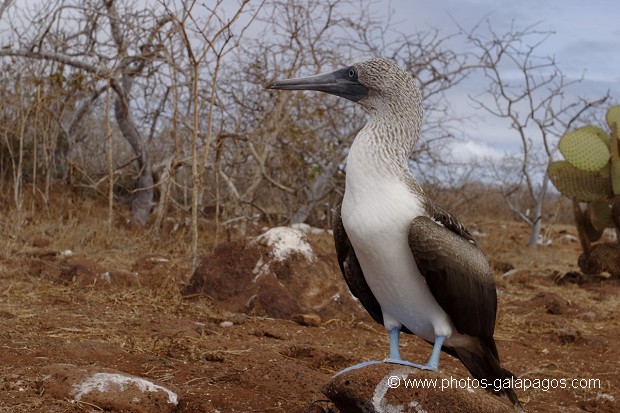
(376,212)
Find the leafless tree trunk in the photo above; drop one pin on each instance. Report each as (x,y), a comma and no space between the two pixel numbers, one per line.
(110,156)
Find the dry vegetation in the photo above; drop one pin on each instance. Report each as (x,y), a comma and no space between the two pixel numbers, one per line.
(161,107)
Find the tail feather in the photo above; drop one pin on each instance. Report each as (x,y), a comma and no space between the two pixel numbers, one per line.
(483,364)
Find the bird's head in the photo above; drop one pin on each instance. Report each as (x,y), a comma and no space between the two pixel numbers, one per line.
(375,83)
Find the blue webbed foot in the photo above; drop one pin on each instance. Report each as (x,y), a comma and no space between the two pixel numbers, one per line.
(405,363)
(357,366)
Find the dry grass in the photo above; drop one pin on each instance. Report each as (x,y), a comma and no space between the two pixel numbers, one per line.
(71,222)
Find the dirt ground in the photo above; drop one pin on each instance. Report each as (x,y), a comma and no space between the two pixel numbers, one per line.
(55,308)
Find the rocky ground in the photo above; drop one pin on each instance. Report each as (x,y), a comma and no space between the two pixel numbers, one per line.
(255,331)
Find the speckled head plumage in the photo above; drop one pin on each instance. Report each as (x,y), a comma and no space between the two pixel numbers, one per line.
(387,84)
(382,87)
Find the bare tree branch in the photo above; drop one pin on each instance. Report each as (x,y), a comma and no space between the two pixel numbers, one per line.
(535,107)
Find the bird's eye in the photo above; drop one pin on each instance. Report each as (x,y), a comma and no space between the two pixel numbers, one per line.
(352,73)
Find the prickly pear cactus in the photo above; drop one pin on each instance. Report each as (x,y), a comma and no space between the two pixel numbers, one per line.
(586,148)
(590,174)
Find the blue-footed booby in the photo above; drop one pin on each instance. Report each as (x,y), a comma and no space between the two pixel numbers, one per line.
(411,264)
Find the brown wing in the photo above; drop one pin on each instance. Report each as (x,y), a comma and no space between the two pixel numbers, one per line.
(456,272)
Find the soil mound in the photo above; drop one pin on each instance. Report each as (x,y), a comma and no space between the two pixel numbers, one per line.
(280,273)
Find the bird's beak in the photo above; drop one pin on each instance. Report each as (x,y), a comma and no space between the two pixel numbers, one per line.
(337,83)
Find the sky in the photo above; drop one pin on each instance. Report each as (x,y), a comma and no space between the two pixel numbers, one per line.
(585,41)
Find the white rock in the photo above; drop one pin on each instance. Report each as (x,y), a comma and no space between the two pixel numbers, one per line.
(104,382)
(285,241)
(116,390)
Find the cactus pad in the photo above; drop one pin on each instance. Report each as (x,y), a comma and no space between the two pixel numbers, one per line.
(601,133)
(586,148)
(599,214)
(582,185)
(613,116)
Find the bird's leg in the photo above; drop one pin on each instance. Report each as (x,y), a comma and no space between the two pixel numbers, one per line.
(394,335)
(433,361)
(394,354)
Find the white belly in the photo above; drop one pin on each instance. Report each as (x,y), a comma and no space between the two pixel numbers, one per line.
(377,225)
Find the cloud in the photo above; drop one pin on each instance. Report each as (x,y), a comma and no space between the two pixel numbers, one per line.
(467,151)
